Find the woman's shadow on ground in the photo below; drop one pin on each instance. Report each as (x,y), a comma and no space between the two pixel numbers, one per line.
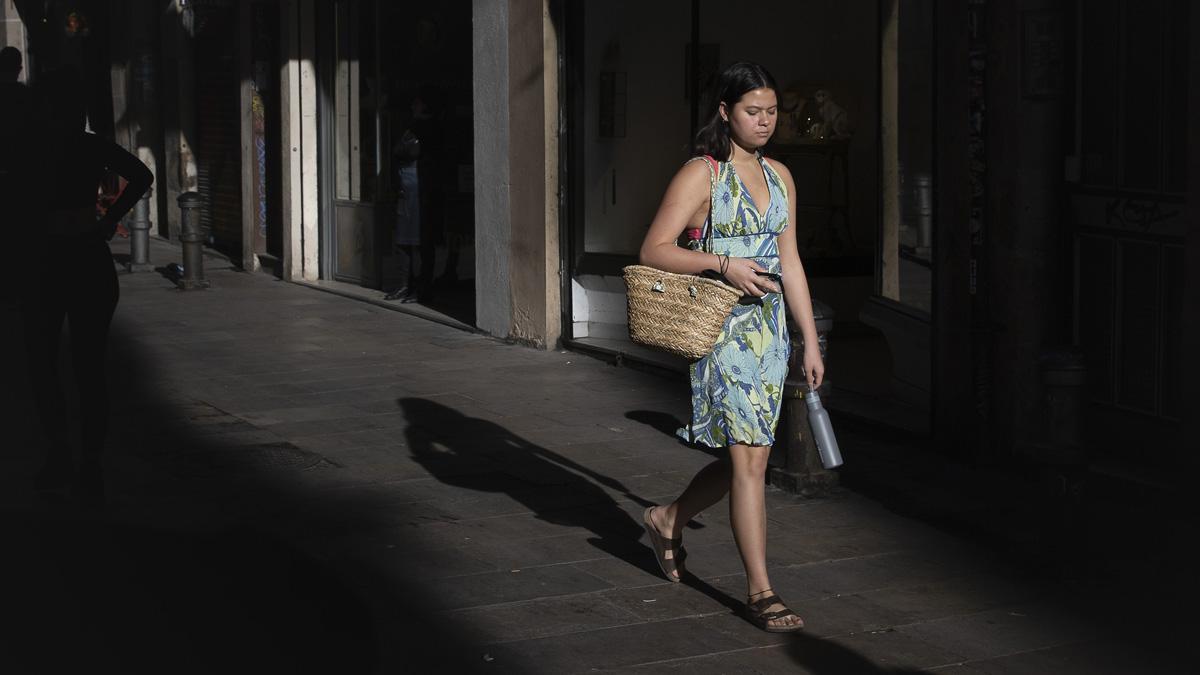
(453,446)
(476,454)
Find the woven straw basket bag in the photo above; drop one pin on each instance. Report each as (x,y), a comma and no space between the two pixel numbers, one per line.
(679,313)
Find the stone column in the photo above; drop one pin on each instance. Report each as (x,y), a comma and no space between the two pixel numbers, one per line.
(516,171)
(889,246)
(298,129)
(534,256)
(493,304)
(249,160)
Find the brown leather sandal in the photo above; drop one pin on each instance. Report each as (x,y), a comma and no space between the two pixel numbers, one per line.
(757,614)
(669,553)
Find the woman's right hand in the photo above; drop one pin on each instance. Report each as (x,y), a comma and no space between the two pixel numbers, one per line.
(743,273)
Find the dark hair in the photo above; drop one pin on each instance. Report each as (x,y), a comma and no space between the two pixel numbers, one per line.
(10,59)
(734,82)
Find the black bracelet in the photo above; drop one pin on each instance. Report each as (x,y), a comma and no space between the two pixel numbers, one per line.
(723,267)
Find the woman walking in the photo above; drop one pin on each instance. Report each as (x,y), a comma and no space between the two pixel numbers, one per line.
(738,387)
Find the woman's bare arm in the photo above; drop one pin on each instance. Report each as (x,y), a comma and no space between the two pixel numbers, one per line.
(687,200)
(137,177)
(686,196)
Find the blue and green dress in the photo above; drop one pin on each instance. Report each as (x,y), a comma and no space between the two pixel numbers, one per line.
(737,390)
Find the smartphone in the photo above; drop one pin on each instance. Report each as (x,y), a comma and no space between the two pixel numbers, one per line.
(753,300)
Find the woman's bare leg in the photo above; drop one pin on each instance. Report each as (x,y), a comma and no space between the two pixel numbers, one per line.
(748,517)
(743,476)
(747,511)
(707,487)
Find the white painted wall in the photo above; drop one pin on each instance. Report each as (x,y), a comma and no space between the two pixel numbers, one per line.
(647,41)
(599,308)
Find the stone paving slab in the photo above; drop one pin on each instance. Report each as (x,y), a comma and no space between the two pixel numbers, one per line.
(300,482)
(1096,658)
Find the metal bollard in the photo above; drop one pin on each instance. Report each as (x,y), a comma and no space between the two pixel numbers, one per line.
(924,214)
(139,236)
(801,472)
(192,236)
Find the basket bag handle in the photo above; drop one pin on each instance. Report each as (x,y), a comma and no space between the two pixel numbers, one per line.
(706,244)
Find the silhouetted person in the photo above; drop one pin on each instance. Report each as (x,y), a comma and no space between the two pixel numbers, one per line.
(11,64)
(16,113)
(406,228)
(69,165)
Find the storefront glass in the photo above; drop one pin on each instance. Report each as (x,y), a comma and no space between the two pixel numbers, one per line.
(635,103)
(398,124)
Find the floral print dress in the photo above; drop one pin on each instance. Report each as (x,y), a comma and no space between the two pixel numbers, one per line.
(737,389)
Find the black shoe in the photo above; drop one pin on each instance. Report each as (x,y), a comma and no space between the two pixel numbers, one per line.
(403,294)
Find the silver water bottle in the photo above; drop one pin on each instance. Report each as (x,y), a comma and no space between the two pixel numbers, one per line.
(822,431)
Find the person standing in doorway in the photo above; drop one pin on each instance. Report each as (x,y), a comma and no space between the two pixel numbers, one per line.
(420,200)
(69,165)
(737,389)
(406,224)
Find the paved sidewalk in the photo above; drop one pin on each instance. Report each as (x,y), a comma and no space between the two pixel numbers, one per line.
(300,482)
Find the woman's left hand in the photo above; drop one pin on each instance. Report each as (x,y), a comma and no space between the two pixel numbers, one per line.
(814,367)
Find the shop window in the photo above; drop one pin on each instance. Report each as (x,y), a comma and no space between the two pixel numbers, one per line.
(634,121)
(635,104)
(906,238)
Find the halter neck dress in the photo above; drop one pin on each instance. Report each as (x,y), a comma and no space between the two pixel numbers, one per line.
(737,389)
